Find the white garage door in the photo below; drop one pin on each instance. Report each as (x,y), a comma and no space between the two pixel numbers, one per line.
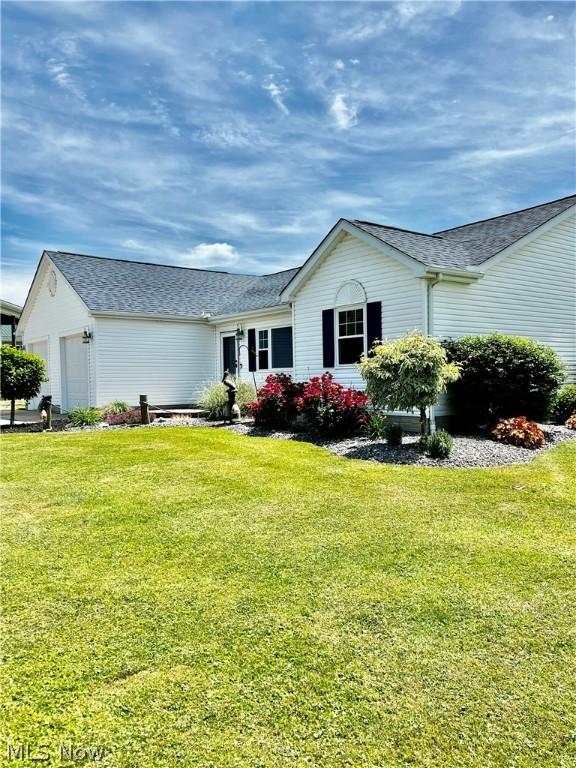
(39,348)
(75,372)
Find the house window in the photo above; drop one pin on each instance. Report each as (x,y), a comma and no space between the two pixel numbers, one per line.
(263,350)
(274,349)
(350,335)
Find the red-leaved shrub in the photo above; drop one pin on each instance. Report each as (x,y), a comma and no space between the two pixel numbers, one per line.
(276,404)
(518,431)
(331,409)
(128,417)
(571,422)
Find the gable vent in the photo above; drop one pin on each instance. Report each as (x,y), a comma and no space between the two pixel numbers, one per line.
(351,292)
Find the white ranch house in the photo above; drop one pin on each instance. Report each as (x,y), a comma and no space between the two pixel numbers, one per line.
(110,329)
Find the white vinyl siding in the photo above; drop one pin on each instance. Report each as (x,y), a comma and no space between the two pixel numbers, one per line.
(50,318)
(531,292)
(261,322)
(383,278)
(167,360)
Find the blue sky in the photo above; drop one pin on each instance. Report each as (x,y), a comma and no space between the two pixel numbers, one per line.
(234,135)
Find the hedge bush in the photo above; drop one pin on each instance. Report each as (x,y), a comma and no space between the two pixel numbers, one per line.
(564,404)
(500,375)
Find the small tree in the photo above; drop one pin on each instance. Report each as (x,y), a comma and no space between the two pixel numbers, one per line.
(22,376)
(408,373)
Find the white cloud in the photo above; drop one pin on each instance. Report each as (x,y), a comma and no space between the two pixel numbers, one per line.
(344,114)
(230,133)
(339,64)
(134,245)
(208,255)
(58,71)
(15,286)
(276,93)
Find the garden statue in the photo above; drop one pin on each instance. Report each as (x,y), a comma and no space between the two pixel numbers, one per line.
(232,411)
(45,408)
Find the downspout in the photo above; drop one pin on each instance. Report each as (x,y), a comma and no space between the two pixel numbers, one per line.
(429,328)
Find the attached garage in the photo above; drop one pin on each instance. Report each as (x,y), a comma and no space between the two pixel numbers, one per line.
(74,356)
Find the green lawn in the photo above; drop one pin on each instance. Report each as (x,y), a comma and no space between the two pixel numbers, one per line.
(188,597)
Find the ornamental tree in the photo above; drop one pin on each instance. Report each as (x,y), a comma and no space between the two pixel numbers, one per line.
(22,376)
(406,374)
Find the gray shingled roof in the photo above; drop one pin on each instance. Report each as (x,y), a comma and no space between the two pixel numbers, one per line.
(471,244)
(114,285)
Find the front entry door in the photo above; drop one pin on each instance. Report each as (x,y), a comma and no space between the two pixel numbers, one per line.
(229,353)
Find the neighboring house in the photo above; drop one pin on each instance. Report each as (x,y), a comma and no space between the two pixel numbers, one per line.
(10,317)
(112,329)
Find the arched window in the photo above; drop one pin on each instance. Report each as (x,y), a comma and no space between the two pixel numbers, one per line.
(350,320)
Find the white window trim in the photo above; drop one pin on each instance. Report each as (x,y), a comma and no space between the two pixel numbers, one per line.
(337,337)
(269,328)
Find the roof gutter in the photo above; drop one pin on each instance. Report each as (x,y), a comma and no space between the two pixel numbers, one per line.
(439,274)
(145,316)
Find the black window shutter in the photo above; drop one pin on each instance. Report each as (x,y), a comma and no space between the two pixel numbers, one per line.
(373,322)
(251,349)
(282,347)
(328,338)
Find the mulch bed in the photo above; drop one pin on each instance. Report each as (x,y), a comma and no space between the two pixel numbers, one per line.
(467,450)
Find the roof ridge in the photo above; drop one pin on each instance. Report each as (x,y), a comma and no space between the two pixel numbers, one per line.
(398,229)
(280,271)
(153,264)
(504,215)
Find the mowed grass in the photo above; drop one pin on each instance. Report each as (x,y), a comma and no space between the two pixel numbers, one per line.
(189,597)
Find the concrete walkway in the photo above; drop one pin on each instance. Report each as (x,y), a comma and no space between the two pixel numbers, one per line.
(22,417)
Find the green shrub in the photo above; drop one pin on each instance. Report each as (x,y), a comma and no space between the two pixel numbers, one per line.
(393,433)
(118,406)
(84,417)
(500,375)
(214,398)
(564,404)
(375,427)
(439,444)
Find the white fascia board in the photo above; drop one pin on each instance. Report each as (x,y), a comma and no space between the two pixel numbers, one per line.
(275,310)
(113,313)
(493,260)
(331,240)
